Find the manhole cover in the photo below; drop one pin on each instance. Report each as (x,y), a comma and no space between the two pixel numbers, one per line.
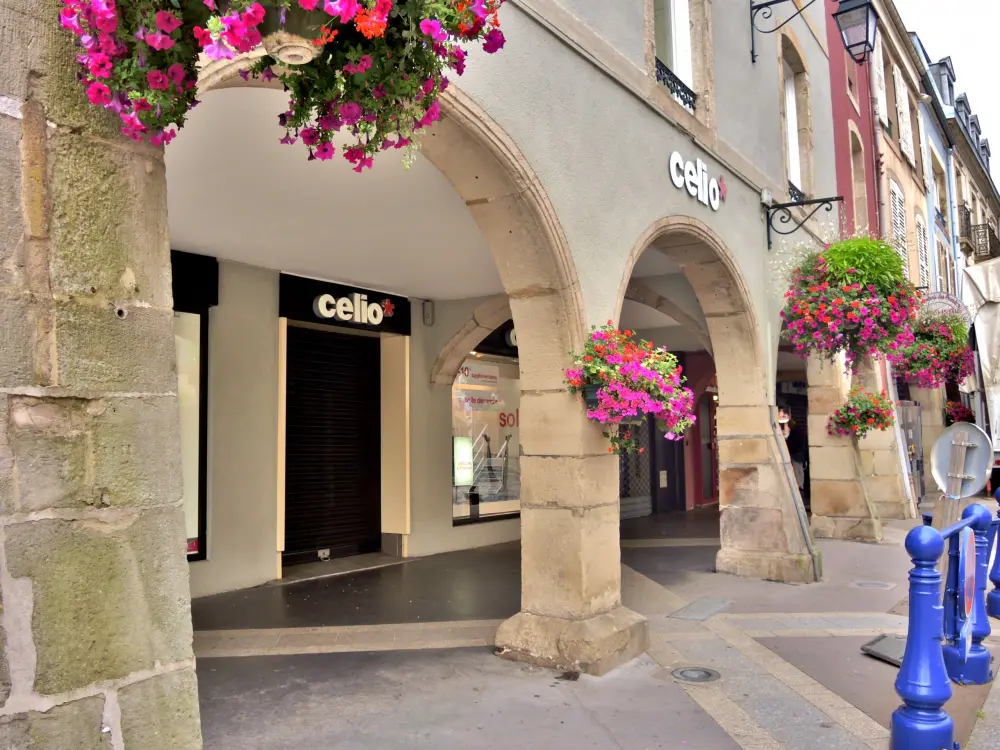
(879,585)
(696,674)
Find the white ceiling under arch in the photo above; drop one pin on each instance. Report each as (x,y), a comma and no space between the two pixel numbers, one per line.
(236,193)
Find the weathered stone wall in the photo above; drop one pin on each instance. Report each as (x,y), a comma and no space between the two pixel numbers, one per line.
(95,620)
(841,505)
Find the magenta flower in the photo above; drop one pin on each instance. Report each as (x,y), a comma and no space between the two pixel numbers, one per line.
(310,136)
(345,9)
(176,74)
(167,22)
(493,41)
(217,49)
(159,41)
(350,112)
(308,4)
(478,8)
(157,80)
(325,151)
(100,66)
(432,27)
(99,94)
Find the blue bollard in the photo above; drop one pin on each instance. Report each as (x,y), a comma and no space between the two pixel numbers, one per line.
(921,723)
(993,600)
(975,670)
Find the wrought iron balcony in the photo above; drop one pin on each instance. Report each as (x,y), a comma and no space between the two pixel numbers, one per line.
(985,242)
(965,229)
(794,194)
(677,87)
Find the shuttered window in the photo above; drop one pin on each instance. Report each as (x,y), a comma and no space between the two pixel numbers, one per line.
(923,252)
(898,229)
(925,163)
(881,99)
(903,115)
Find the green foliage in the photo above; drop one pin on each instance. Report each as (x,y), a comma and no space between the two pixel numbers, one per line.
(873,261)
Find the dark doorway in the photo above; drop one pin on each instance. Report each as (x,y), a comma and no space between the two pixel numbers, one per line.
(669,491)
(332,445)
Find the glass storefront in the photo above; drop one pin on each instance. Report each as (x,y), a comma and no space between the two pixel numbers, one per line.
(187,338)
(486,444)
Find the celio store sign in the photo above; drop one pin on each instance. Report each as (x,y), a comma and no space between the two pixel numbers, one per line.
(313,301)
(693,176)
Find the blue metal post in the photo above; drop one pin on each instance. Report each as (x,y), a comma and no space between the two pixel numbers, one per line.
(993,600)
(921,723)
(975,669)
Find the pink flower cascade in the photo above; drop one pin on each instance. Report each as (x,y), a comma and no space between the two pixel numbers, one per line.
(145,75)
(635,380)
(824,317)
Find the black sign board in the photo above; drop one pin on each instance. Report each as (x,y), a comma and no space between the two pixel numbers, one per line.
(502,342)
(312,301)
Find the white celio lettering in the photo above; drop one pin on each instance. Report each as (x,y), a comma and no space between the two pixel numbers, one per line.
(354,309)
(693,177)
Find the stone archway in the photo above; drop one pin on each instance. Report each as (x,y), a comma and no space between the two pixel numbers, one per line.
(763,530)
(571,613)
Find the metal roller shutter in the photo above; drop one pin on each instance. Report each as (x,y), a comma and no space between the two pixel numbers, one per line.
(332,445)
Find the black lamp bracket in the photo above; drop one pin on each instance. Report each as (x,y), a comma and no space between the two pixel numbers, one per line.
(764,10)
(780,219)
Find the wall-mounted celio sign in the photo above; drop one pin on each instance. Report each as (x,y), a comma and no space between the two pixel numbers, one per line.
(694,177)
(314,301)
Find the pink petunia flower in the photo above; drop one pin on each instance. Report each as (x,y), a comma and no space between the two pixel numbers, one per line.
(167,22)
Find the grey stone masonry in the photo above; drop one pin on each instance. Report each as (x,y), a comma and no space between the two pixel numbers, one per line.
(95,626)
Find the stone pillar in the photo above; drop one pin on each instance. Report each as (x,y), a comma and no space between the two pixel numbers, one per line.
(95,624)
(841,506)
(762,532)
(932,401)
(882,469)
(571,612)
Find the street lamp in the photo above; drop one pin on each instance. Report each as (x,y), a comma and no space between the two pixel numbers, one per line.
(858,24)
(856,19)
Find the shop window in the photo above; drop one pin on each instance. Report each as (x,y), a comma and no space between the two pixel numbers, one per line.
(195,291)
(486,440)
(190,338)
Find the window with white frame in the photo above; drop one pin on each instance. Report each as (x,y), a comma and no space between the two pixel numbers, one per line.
(792,127)
(897,235)
(903,115)
(672,22)
(923,252)
(881,97)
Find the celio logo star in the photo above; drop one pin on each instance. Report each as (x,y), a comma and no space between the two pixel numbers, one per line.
(388,308)
(722,188)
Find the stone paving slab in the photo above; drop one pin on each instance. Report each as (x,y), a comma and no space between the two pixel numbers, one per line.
(460,699)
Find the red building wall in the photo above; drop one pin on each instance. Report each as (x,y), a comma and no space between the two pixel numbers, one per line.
(846,114)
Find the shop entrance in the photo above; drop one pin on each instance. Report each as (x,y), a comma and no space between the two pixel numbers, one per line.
(332,445)
(707,480)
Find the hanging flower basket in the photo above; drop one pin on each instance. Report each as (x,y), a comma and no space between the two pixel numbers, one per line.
(622,381)
(862,413)
(366,73)
(939,353)
(956,411)
(851,298)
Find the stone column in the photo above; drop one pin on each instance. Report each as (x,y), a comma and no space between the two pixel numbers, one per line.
(571,612)
(762,533)
(841,506)
(95,624)
(932,401)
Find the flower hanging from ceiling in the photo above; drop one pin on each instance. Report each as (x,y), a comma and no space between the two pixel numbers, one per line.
(363,76)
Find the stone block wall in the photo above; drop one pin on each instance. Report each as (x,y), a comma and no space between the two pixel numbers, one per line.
(95,624)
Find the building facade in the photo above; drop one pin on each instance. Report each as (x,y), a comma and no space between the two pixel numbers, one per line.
(176,389)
